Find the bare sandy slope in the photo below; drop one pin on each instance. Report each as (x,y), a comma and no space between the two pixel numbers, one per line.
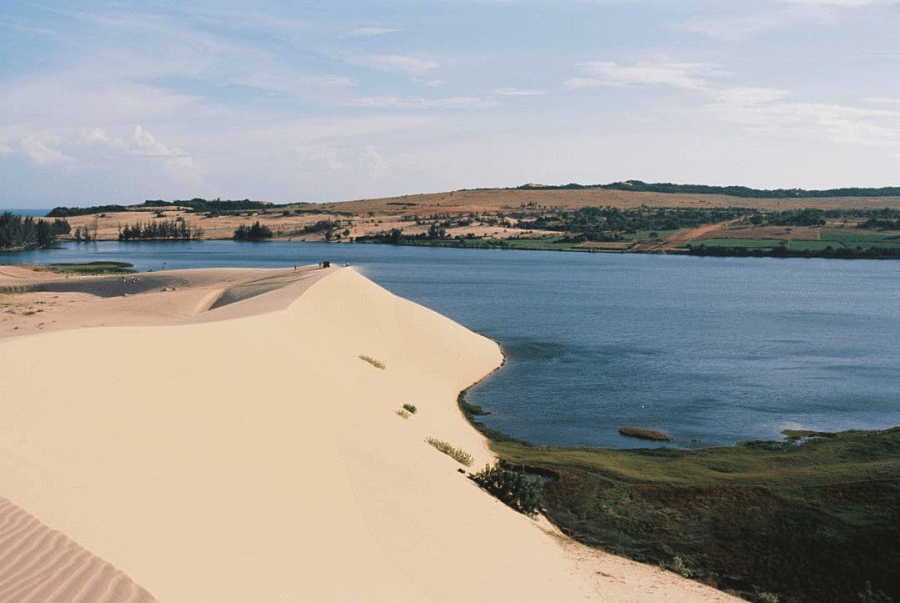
(41,565)
(260,459)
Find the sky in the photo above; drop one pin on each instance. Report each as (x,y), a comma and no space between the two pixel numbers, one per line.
(117,101)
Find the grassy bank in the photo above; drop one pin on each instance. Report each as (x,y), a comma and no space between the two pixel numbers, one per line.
(810,519)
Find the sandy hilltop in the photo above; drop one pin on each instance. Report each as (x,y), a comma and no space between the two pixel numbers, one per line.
(215,436)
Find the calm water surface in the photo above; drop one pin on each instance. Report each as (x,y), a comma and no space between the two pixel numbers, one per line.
(711,350)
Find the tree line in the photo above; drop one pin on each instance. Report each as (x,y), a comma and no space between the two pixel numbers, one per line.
(732,191)
(159,230)
(17,232)
(214,206)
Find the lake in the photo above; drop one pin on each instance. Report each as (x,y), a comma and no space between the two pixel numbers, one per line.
(709,350)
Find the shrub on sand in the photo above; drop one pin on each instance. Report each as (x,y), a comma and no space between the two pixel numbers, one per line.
(376,363)
(461,456)
(512,487)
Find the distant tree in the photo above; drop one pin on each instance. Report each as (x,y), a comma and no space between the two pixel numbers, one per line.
(256,232)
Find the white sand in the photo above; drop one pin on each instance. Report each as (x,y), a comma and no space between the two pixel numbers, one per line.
(259,459)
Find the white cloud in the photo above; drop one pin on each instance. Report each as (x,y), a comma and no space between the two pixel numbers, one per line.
(415,102)
(367,32)
(764,111)
(738,27)
(749,96)
(395,63)
(842,3)
(680,75)
(148,146)
(518,92)
(876,100)
(374,163)
(42,154)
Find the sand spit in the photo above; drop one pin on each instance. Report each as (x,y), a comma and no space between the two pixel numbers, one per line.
(256,457)
(41,565)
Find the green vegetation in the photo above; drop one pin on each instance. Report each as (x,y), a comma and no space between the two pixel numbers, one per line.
(94,268)
(460,456)
(216,206)
(614,224)
(329,227)
(401,412)
(411,408)
(68,212)
(256,232)
(811,519)
(840,244)
(376,363)
(159,230)
(645,434)
(511,486)
(17,232)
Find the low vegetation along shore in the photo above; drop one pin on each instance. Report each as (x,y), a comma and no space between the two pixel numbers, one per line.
(633,216)
(814,518)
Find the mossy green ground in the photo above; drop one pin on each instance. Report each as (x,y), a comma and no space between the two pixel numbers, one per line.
(811,519)
(94,268)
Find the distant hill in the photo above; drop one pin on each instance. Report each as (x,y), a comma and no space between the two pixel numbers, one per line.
(732,191)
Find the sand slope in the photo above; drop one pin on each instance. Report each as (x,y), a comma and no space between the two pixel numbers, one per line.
(260,459)
(41,565)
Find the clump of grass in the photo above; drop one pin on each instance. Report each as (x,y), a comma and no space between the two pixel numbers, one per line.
(411,408)
(645,434)
(461,456)
(403,413)
(376,363)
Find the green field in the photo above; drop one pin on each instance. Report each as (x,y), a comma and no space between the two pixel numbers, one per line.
(746,243)
(839,243)
(810,519)
(94,268)
(548,244)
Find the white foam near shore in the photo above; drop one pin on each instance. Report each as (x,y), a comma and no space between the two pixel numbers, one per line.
(260,459)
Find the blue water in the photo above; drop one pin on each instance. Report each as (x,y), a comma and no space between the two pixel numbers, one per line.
(710,350)
(34,213)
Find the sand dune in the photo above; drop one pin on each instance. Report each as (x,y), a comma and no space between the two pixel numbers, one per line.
(41,565)
(249,454)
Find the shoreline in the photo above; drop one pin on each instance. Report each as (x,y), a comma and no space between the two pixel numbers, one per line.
(279,421)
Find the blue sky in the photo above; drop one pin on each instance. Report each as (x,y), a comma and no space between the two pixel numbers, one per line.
(117,102)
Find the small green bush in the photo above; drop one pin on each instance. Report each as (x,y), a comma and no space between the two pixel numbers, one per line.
(376,363)
(461,456)
(411,408)
(402,413)
(512,487)
(678,566)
